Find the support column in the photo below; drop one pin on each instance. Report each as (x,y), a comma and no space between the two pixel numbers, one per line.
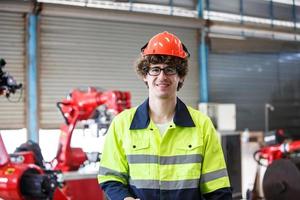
(203,56)
(203,61)
(32,113)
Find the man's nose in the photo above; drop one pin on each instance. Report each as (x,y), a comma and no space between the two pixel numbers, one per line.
(162,74)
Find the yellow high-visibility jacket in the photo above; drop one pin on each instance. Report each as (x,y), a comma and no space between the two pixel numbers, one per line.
(185,163)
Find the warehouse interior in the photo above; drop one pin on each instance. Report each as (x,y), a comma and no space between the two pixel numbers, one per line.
(244,73)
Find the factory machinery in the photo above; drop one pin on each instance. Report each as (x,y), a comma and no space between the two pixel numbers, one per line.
(281,156)
(8,84)
(23,175)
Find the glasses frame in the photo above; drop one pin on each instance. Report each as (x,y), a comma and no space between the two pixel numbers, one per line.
(162,69)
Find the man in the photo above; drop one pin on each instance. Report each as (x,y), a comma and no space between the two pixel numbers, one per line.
(163,149)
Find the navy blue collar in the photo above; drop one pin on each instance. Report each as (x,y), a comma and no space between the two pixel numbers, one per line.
(141,117)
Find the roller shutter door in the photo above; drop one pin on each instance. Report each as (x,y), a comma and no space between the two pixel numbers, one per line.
(77,53)
(12,49)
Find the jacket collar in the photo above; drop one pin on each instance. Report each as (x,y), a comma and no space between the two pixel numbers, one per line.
(141,117)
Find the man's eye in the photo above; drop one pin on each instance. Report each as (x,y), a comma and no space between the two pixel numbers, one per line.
(155,70)
(170,70)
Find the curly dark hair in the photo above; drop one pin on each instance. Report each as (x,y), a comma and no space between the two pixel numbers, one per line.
(143,64)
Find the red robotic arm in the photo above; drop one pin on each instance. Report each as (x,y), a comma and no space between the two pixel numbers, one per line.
(282,173)
(275,152)
(81,105)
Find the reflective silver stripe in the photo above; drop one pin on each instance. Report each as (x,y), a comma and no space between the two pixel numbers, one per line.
(181,159)
(109,172)
(145,184)
(142,158)
(182,184)
(213,175)
(164,160)
(165,185)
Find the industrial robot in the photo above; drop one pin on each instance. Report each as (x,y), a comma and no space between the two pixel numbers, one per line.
(23,174)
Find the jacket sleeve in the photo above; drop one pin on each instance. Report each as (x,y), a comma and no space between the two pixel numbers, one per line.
(115,190)
(220,194)
(213,172)
(113,170)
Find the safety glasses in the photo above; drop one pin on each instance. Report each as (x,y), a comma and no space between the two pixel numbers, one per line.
(155,71)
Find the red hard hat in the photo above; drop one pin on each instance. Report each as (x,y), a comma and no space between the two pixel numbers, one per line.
(165,43)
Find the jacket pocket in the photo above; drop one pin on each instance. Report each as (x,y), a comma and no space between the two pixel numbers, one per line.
(139,142)
(190,152)
(189,146)
(137,153)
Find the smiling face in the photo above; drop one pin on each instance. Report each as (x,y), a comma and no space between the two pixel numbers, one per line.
(162,86)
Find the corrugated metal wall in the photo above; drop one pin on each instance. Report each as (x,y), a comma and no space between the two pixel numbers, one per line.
(12,49)
(230,6)
(252,45)
(190,4)
(77,53)
(286,100)
(252,80)
(255,8)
